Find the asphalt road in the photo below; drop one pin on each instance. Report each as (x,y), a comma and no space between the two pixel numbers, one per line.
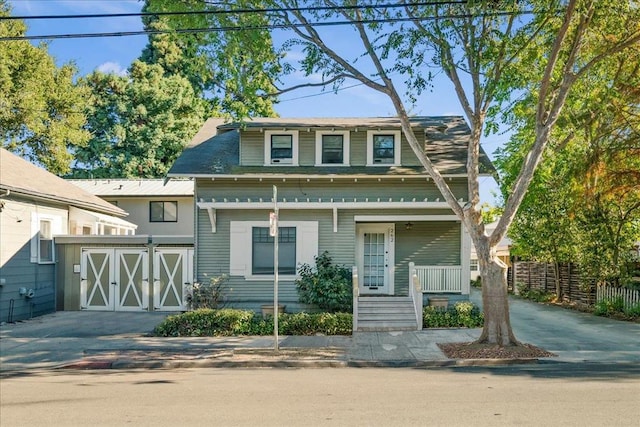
(558,395)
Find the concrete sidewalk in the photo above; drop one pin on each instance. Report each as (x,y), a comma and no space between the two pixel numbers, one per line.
(122,340)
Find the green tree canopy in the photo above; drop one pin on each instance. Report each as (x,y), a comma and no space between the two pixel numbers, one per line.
(42,108)
(234,71)
(139,123)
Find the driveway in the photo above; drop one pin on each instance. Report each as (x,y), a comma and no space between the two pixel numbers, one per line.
(572,335)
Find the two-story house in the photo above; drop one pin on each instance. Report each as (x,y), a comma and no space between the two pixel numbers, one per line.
(349,186)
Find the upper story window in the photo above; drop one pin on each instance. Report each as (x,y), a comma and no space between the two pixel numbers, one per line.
(383,148)
(332,148)
(163,211)
(281,147)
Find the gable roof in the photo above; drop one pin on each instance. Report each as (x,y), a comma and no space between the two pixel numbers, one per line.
(26,179)
(135,187)
(215,148)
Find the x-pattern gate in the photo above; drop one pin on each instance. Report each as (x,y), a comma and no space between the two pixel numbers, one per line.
(114,279)
(172,278)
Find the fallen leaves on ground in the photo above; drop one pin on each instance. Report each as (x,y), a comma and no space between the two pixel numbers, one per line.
(473,350)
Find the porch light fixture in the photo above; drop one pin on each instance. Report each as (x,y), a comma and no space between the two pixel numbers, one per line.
(408,225)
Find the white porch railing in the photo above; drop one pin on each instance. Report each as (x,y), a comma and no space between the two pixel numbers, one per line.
(356,294)
(438,279)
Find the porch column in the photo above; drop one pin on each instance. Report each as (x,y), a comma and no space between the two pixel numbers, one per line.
(465,259)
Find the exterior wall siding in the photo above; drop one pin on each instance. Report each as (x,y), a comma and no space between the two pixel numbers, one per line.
(427,243)
(321,188)
(138,209)
(253,141)
(16,268)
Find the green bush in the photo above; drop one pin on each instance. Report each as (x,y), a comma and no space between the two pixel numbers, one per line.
(462,314)
(609,306)
(230,322)
(328,286)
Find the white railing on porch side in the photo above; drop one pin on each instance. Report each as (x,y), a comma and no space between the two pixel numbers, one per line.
(415,291)
(356,295)
(439,278)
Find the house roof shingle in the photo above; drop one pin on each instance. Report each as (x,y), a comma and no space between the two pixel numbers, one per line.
(21,177)
(215,149)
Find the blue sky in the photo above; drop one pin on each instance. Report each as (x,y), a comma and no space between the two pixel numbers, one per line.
(115,54)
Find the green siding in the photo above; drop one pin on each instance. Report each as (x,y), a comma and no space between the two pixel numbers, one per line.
(427,243)
(315,189)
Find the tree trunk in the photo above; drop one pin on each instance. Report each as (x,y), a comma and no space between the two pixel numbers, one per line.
(495,302)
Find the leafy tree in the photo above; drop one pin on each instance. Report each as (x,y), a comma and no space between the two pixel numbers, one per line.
(41,106)
(590,181)
(488,50)
(233,70)
(140,123)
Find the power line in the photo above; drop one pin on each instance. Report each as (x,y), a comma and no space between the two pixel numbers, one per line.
(236,11)
(260,27)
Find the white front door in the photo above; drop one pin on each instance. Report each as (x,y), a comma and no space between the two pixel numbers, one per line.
(114,279)
(172,278)
(375,258)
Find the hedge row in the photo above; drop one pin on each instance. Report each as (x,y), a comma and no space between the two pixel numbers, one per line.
(230,322)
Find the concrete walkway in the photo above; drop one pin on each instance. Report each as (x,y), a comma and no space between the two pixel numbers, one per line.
(122,340)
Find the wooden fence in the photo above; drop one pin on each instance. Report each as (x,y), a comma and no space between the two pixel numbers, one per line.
(630,297)
(542,277)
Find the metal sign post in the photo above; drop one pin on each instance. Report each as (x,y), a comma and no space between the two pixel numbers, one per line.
(274,232)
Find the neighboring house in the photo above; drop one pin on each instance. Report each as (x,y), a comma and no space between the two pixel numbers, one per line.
(349,186)
(155,206)
(35,206)
(502,252)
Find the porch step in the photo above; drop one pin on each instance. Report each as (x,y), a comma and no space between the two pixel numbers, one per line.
(386,314)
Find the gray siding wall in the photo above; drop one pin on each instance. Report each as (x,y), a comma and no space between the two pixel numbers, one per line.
(316,188)
(16,268)
(252,148)
(427,243)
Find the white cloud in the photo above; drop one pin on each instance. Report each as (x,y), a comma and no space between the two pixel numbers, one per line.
(112,68)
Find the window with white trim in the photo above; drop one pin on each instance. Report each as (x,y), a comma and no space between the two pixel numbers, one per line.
(383,148)
(473,265)
(263,246)
(43,228)
(332,148)
(251,248)
(45,241)
(281,147)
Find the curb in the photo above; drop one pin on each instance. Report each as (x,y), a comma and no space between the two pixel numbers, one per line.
(120,364)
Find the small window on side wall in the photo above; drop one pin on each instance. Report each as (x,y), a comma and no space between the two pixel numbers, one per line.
(45,242)
(163,211)
(383,148)
(332,148)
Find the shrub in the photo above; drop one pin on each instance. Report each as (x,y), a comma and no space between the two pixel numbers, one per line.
(609,306)
(462,314)
(328,286)
(229,322)
(207,295)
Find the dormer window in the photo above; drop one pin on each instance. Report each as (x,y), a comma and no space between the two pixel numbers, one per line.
(332,148)
(383,148)
(281,148)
